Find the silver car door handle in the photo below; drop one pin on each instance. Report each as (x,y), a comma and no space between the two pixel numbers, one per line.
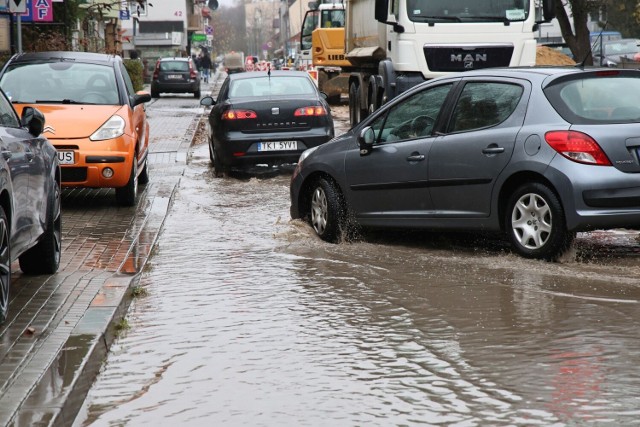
(493,150)
(415,158)
(7,155)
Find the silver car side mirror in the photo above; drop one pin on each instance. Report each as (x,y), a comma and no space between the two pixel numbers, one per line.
(366,138)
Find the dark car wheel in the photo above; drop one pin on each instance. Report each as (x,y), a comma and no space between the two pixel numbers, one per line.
(143,178)
(44,258)
(5,265)
(196,94)
(219,169)
(126,196)
(155,94)
(326,213)
(535,223)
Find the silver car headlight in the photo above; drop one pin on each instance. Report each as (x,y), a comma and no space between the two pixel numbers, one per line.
(113,128)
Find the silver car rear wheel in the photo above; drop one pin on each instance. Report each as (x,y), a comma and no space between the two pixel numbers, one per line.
(535,222)
(531,221)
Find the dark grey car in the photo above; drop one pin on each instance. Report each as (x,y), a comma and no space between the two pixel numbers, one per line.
(30,198)
(537,153)
(175,75)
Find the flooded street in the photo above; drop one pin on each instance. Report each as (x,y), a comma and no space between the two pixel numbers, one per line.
(247,318)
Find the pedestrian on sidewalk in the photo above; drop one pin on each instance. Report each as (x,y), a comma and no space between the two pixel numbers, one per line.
(205,64)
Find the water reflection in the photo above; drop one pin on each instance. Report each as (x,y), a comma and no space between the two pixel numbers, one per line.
(252,320)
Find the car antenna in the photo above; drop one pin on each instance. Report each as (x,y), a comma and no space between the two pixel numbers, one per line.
(581,65)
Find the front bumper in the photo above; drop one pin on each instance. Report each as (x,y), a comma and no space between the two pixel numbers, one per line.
(93,158)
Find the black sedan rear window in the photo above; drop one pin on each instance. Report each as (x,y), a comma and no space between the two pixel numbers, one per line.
(272,86)
(600,98)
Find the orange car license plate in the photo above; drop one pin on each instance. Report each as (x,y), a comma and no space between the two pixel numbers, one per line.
(67,157)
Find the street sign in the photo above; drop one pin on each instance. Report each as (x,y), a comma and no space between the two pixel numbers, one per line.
(17,6)
(198,37)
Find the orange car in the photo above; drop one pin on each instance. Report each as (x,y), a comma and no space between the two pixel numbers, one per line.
(94,118)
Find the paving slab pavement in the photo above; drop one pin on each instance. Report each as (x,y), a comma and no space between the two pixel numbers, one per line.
(60,327)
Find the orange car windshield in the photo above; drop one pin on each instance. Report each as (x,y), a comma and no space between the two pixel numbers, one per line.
(60,82)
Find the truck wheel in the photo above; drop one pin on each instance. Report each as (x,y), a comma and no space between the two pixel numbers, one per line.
(362,113)
(5,265)
(354,110)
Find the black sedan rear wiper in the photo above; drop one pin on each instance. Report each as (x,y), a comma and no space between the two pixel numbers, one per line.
(58,101)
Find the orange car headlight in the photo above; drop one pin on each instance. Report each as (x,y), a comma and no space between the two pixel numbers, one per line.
(112,128)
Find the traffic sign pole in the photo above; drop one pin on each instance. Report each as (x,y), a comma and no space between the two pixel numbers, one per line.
(19,16)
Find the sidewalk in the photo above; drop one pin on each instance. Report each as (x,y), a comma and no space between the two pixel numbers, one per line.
(60,327)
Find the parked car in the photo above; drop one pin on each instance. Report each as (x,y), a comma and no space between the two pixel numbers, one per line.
(612,53)
(30,220)
(95,119)
(266,118)
(536,153)
(175,75)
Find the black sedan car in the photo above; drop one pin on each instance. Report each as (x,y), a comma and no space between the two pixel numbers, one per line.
(535,153)
(266,118)
(30,221)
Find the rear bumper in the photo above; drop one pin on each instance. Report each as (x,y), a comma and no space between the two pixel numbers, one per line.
(182,87)
(599,197)
(238,149)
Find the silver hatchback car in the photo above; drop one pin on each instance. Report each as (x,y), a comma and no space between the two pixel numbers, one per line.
(536,153)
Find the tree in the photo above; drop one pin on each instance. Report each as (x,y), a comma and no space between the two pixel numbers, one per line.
(229,29)
(577,38)
(622,15)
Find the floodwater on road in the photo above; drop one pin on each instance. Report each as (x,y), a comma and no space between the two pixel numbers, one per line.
(249,319)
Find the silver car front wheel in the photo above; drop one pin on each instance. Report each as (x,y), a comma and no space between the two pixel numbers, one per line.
(326,210)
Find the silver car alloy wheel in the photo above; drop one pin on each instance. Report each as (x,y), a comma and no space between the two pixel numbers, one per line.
(531,221)
(319,210)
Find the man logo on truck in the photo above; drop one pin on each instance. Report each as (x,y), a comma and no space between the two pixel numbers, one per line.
(469,58)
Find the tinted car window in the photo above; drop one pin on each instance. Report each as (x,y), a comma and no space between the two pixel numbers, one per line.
(598,99)
(174,66)
(127,79)
(7,114)
(484,104)
(412,118)
(269,86)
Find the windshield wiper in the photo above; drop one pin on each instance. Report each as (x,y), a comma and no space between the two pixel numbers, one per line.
(437,18)
(502,19)
(58,101)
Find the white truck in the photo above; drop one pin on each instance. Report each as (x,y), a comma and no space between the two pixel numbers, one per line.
(392,45)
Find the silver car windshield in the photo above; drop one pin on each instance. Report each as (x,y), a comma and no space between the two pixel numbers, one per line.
(467,10)
(60,82)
